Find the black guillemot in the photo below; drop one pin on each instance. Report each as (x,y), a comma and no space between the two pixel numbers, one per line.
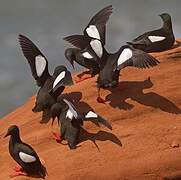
(156,40)
(24,155)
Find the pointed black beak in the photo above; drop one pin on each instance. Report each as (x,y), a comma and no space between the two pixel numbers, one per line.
(160,16)
(6,135)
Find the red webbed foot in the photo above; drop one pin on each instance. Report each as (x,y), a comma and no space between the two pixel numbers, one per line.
(82,79)
(17,168)
(20,173)
(57,137)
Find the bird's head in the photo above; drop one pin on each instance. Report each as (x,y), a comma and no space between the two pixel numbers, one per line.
(70,55)
(165,16)
(12,131)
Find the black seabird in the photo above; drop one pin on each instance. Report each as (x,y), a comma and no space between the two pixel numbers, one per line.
(24,155)
(71,121)
(90,45)
(157,40)
(51,86)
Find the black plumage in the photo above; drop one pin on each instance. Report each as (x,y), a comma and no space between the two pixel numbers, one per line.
(51,86)
(70,121)
(94,35)
(24,155)
(156,40)
(124,57)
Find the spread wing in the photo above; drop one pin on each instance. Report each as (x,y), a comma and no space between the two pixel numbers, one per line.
(37,61)
(96,28)
(134,57)
(79,41)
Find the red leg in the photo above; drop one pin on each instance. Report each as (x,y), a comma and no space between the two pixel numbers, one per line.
(57,137)
(17,168)
(15,174)
(82,79)
(99,99)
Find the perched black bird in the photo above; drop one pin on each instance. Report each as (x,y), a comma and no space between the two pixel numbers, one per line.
(71,121)
(24,155)
(51,86)
(157,40)
(89,50)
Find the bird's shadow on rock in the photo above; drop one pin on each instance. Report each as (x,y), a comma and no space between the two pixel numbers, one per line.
(99,136)
(134,90)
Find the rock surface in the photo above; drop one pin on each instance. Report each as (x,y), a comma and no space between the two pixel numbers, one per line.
(143,112)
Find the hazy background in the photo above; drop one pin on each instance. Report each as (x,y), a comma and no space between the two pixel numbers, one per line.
(46,22)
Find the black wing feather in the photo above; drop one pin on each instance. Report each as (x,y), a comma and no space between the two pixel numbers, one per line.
(140,59)
(78,41)
(30,51)
(99,20)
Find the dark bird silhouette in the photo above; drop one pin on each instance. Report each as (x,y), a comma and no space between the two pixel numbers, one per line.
(24,155)
(51,86)
(134,90)
(156,40)
(89,46)
(71,120)
(99,136)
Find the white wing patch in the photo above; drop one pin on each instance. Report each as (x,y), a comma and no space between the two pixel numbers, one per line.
(87,55)
(26,157)
(40,64)
(59,78)
(156,38)
(91,114)
(124,56)
(97,47)
(71,112)
(93,32)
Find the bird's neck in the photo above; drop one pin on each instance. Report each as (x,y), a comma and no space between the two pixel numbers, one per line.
(15,139)
(167,25)
(106,54)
